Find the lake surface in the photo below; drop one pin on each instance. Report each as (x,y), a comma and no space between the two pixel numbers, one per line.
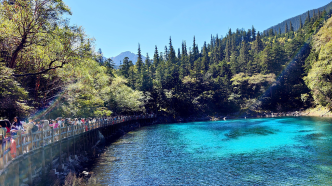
(268,151)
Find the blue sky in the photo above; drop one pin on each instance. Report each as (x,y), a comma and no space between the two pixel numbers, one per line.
(119,25)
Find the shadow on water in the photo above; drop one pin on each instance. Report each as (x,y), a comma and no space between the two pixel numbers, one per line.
(259,130)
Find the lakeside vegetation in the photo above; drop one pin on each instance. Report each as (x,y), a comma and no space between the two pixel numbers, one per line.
(50,66)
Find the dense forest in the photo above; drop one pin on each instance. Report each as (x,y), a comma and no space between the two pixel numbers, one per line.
(50,68)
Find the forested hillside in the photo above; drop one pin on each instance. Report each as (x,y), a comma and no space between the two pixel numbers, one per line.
(298,21)
(240,72)
(50,68)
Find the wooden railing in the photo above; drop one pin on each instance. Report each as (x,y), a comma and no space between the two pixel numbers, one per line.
(20,144)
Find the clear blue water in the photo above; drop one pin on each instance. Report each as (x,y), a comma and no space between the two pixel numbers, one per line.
(269,151)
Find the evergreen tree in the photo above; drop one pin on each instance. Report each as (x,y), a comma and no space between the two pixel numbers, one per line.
(271,33)
(166,53)
(205,59)
(184,65)
(100,57)
(278,58)
(301,24)
(109,64)
(139,63)
(243,58)
(228,51)
(258,44)
(132,75)
(286,28)
(148,63)
(124,68)
(291,27)
(266,60)
(171,53)
(308,19)
(253,33)
(156,59)
(212,43)
(249,36)
(195,50)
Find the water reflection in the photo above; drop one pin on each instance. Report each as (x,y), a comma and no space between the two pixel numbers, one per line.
(278,151)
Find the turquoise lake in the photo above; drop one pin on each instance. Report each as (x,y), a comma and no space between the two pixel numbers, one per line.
(267,151)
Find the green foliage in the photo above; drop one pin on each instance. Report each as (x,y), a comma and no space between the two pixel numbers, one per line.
(319,78)
(123,99)
(12,95)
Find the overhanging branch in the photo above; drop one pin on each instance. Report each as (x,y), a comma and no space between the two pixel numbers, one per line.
(37,73)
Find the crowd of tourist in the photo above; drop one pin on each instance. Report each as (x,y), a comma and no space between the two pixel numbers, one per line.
(7,128)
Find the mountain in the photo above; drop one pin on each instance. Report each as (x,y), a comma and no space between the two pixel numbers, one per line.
(130,55)
(296,20)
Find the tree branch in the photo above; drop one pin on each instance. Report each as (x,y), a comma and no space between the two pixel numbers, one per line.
(41,72)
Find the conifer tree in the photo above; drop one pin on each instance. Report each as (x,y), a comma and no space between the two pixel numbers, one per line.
(212,43)
(228,51)
(205,59)
(124,68)
(308,19)
(148,63)
(278,58)
(171,53)
(314,17)
(195,50)
(271,33)
(286,28)
(249,36)
(139,63)
(243,58)
(258,44)
(291,27)
(166,53)
(266,61)
(253,33)
(156,59)
(132,75)
(301,24)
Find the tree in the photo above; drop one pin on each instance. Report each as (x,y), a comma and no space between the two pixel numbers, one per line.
(100,57)
(205,59)
(124,68)
(307,20)
(286,28)
(271,33)
(35,25)
(228,51)
(266,60)
(253,30)
(258,44)
(301,24)
(243,57)
(171,53)
(139,62)
(109,64)
(291,27)
(11,95)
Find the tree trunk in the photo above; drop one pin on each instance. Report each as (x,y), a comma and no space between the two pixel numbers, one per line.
(12,63)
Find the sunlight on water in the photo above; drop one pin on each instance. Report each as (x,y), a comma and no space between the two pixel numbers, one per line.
(269,151)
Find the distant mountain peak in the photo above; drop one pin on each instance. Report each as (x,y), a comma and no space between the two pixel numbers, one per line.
(119,58)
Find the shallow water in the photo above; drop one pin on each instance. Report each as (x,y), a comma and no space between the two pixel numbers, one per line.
(269,151)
